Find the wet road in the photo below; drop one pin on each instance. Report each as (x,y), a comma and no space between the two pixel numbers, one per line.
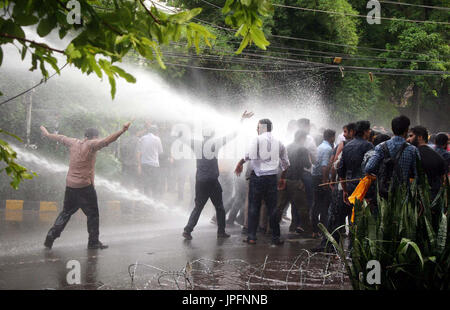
(157,257)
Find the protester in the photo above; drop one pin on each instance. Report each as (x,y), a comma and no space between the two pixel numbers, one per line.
(306,177)
(166,173)
(238,206)
(293,189)
(348,134)
(337,211)
(337,208)
(441,143)
(149,150)
(266,156)
(207,185)
(403,156)
(321,170)
(349,167)
(128,158)
(226,180)
(80,191)
(432,163)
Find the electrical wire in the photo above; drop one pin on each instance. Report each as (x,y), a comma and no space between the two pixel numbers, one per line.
(417,72)
(358,15)
(381,1)
(416,5)
(44,80)
(316,41)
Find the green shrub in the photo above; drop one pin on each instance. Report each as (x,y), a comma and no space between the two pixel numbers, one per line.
(409,238)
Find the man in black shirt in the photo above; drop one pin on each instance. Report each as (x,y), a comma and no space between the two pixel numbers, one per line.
(349,166)
(432,163)
(292,189)
(207,185)
(441,142)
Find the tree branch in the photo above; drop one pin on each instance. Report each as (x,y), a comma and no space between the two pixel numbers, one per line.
(5,35)
(150,13)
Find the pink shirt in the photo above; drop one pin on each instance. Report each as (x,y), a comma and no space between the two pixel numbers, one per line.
(82,159)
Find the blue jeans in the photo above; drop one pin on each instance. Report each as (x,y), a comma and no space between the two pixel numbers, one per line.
(262,188)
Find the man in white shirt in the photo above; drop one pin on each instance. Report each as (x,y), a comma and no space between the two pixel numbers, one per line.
(149,149)
(266,156)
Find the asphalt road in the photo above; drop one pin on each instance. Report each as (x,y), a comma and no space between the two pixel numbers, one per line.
(151,254)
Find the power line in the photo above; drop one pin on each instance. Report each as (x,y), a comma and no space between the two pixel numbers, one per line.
(416,5)
(381,1)
(240,70)
(342,55)
(30,89)
(357,15)
(211,4)
(418,72)
(318,41)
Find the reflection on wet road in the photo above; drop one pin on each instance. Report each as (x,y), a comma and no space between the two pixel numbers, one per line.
(152,255)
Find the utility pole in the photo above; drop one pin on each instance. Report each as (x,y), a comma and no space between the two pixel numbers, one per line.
(29,105)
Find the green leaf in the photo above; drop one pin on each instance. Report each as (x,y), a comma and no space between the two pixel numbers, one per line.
(442,235)
(259,38)
(24,52)
(46,26)
(243,44)
(405,244)
(128,77)
(112,82)
(62,33)
(26,20)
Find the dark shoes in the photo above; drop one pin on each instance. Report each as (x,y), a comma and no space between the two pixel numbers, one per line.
(277,242)
(244,230)
(187,235)
(48,242)
(249,241)
(222,235)
(97,246)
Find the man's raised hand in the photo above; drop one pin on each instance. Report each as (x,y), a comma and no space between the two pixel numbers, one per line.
(238,169)
(246,114)
(44,131)
(126,126)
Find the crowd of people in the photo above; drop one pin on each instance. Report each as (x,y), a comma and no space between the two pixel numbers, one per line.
(315,174)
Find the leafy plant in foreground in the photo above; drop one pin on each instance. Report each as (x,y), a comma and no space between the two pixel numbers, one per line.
(409,238)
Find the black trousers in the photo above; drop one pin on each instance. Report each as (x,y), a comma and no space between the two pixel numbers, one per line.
(337,213)
(75,198)
(263,188)
(322,200)
(204,191)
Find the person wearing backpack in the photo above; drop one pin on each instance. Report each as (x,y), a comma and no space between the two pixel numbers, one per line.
(394,160)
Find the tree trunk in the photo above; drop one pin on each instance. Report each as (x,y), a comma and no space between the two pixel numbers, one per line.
(418,105)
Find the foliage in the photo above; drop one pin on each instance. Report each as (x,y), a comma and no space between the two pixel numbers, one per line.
(410,238)
(7,155)
(243,15)
(107,32)
(103,37)
(359,98)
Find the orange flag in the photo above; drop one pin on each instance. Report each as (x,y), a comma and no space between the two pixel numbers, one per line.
(361,191)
